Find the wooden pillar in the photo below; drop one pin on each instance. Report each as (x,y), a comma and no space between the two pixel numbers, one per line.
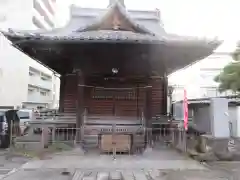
(62,92)
(137,103)
(165,95)
(80,105)
(148,115)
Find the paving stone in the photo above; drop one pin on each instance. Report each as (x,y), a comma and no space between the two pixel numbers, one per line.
(89,178)
(78,175)
(140,175)
(46,174)
(153,174)
(115,175)
(103,176)
(127,175)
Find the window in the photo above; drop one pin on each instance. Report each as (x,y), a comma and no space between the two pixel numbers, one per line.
(45,77)
(31,88)
(23,115)
(33,71)
(42,12)
(37,23)
(48,6)
(30,91)
(31,74)
(43,93)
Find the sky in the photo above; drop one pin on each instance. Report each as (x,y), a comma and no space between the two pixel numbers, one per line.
(204,18)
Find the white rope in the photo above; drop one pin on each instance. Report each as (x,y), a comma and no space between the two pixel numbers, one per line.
(100,87)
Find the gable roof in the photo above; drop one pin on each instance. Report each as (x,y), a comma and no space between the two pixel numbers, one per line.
(113,9)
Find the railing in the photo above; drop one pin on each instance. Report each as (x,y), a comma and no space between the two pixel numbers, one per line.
(113,141)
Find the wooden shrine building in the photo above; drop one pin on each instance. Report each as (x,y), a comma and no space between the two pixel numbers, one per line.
(113,62)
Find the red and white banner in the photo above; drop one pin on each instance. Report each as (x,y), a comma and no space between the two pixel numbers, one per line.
(185,110)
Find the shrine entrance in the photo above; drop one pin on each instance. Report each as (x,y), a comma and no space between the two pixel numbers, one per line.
(116,97)
(112,101)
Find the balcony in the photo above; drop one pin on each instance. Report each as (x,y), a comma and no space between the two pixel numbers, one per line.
(39,20)
(37,81)
(40,7)
(36,97)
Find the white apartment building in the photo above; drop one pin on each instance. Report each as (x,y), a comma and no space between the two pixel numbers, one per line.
(24,81)
(198,79)
(27,14)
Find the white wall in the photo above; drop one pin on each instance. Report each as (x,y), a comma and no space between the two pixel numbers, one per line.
(13,74)
(233,118)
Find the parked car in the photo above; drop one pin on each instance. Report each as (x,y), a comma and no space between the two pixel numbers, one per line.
(9,126)
(25,115)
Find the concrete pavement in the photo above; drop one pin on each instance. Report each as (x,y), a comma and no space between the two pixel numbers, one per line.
(163,159)
(10,162)
(161,163)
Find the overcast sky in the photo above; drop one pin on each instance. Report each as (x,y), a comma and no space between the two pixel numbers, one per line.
(185,17)
(190,17)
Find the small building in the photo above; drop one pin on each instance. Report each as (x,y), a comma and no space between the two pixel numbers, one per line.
(201,114)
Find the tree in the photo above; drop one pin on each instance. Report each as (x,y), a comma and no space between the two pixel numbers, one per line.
(229,78)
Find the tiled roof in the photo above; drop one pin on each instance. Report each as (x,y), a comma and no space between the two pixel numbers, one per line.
(101,35)
(108,35)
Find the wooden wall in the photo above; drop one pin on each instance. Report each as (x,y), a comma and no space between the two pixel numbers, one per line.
(124,103)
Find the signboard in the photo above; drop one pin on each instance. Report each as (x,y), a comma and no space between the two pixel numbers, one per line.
(185,110)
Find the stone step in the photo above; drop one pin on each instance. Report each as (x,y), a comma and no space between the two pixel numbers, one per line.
(78,175)
(112,175)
